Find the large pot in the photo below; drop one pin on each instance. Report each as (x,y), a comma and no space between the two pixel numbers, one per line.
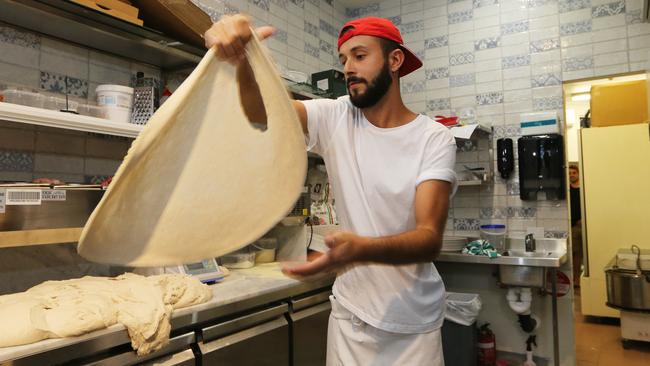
(628,288)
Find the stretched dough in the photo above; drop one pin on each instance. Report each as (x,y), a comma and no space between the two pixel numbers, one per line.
(200,181)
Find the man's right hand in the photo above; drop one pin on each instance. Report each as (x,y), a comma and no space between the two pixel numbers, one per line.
(231,34)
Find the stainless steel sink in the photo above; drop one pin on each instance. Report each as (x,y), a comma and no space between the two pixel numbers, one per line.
(519,253)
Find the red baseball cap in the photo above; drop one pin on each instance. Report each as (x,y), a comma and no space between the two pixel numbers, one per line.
(382,28)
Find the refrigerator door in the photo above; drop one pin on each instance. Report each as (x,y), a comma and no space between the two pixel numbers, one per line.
(615,168)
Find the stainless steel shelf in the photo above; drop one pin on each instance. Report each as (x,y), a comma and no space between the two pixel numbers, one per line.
(91,28)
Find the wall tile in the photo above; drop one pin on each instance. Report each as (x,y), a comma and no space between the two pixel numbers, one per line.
(608,9)
(515,61)
(544,45)
(62,84)
(16,160)
(461,58)
(460,17)
(16,138)
(577,63)
(570,5)
(94,166)
(51,163)
(18,75)
(60,143)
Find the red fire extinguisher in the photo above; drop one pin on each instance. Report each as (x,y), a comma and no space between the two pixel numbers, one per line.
(487,352)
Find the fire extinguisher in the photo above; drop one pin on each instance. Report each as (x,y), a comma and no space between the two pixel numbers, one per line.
(487,352)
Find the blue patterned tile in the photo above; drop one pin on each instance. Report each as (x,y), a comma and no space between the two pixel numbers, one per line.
(362,11)
(537,3)
(507,131)
(311,50)
(633,17)
(230,9)
(420,54)
(526,212)
(262,4)
(461,58)
(606,10)
(328,28)
(411,27)
(298,3)
(436,73)
(465,145)
(555,234)
(492,213)
(547,103)
(19,38)
(459,17)
(438,104)
(453,1)
(578,63)
(549,79)
(16,161)
(462,80)
(466,224)
(487,43)
(482,3)
(56,83)
(436,42)
(397,20)
(280,35)
(514,27)
(281,3)
(544,45)
(489,98)
(572,28)
(311,29)
(571,5)
(95,179)
(326,47)
(515,61)
(413,87)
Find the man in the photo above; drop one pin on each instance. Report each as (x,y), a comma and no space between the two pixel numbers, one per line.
(576,223)
(392,175)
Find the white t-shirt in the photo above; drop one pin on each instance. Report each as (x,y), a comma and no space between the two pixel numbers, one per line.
(374,172)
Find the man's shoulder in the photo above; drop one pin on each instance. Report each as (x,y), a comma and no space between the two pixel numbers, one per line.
(435,130)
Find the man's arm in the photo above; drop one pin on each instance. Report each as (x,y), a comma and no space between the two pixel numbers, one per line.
(229,37)
(421,244)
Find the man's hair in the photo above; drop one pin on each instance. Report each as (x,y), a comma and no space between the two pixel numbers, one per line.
(574,167)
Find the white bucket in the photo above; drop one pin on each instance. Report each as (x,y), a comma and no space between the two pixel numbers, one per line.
(116,101)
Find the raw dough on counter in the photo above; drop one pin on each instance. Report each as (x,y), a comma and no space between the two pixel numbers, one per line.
(56,309)
(200,181)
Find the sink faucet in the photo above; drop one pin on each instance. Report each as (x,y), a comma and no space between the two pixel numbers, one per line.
(530,243)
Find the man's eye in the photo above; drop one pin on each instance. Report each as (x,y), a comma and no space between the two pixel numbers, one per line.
(360,57)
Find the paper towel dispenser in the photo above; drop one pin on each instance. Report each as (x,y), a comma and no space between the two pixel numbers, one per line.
(541,167)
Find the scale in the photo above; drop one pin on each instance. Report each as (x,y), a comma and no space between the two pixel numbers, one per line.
(206,271)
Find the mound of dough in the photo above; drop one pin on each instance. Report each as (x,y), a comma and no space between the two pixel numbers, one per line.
(56,309)
(199,174)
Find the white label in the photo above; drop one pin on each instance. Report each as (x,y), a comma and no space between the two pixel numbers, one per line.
(53,195)
(323,84)
(19,197)
(2,201)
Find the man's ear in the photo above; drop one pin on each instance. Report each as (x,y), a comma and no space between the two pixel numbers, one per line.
(395,59)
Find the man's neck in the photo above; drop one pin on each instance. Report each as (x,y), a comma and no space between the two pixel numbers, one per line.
(575,185)
(390,111)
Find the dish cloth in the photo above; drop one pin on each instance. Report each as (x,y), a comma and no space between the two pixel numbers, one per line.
(481,247)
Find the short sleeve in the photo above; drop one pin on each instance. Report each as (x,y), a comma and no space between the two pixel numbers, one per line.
(439,160)
(322,115)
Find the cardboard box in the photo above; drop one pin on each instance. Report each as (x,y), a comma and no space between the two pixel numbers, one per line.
(114,8)
(619,103)
(179,19)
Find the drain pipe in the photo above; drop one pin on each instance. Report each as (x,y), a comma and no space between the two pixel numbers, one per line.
(519,300)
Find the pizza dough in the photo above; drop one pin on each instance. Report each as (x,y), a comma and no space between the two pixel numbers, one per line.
(200,181)
(56,309)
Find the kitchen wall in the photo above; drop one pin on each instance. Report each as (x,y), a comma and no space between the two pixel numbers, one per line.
(500,58)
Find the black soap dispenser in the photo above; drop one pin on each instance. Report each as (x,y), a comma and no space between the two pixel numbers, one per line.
(505,157)
(541,166)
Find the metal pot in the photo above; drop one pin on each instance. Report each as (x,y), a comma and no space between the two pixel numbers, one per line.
(628,289)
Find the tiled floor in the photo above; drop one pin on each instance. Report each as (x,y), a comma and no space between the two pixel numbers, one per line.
(598,343)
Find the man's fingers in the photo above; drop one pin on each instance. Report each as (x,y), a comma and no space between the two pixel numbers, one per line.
(320,264)
(264,32)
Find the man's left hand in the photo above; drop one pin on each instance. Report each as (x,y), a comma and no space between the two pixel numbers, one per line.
(345,248)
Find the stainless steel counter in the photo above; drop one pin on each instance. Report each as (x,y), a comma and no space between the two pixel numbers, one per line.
(241,291)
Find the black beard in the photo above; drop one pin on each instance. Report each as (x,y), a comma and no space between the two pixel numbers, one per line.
(374,91)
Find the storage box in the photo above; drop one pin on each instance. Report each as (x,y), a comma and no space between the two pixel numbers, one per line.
(114,8)
(331,81)
(619,103)
(180,19)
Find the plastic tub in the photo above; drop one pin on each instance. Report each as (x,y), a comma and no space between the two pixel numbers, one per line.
(116,102)
(243,258)
(22,97)
(265,250)
(495,234)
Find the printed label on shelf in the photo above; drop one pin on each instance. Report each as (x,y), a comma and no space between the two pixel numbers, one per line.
(2,201)
(20,197)
(53,195)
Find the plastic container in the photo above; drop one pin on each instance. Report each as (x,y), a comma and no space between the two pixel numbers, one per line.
(116,102)
(265,250)
(243,258)
(495,234)
(22,97)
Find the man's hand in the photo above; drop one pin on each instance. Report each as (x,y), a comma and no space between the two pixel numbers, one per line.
(345,248)
(231,34)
